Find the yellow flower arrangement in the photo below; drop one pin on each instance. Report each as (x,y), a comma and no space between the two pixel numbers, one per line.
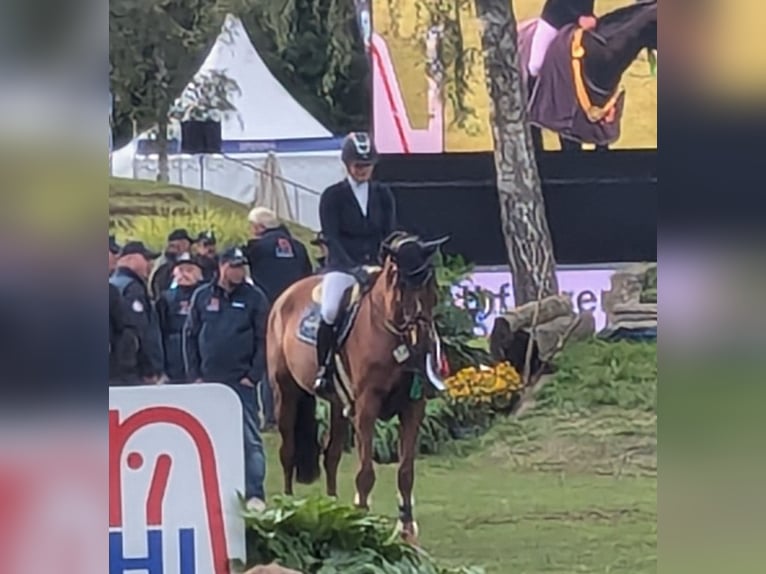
(484,384)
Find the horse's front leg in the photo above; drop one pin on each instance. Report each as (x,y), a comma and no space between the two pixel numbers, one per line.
(367,410)
(410,418)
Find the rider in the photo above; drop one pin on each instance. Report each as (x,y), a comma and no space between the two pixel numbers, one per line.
(356,215)
(557,14)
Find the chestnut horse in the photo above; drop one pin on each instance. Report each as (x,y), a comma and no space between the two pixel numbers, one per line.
(390,336)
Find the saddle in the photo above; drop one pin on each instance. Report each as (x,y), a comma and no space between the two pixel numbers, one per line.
(309,323)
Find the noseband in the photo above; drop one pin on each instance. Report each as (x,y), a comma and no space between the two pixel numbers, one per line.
(410,327)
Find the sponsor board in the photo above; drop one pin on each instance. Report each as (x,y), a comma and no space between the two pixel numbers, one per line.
(176,466)
(487,294)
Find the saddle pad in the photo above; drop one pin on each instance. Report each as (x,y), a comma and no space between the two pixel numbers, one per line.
(554,104)
(309,324)
(364,277)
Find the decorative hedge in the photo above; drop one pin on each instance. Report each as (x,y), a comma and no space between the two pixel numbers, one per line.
(320,536)
(474,397)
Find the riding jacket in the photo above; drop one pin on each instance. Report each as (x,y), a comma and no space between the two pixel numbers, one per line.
(354,238)
(559,13)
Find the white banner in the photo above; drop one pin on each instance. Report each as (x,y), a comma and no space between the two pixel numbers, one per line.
(176,464)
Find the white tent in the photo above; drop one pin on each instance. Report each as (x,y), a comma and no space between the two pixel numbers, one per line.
(265,109)
(266,116)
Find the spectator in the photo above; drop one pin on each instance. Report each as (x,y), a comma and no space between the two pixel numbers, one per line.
(277,260)
(139,348)
(116,324)
(179,242)
(320,242)
(205,255)
(224,341)
(172,310)
(114,251)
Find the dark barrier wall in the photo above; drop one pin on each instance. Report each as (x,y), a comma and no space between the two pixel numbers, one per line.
(602,207)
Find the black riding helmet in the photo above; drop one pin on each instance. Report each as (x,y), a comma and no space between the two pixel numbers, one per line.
(358,147)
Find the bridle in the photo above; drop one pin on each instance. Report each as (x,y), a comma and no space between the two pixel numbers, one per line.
(414,321)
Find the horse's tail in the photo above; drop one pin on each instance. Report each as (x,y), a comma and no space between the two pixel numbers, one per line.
(306,439)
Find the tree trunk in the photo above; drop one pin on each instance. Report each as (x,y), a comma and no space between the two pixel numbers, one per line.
(163,172)
(527,237)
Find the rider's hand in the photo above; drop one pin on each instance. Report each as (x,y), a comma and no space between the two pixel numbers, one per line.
(587,22)
(246,382)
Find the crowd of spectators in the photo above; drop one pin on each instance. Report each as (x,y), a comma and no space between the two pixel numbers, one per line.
(193,314)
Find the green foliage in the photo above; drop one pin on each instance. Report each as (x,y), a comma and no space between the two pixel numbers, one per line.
(597,373)
(149,210)
(649,287)
(455,324)
(444,423)
(313,48)
(319,536)
(154,50)
(455,70)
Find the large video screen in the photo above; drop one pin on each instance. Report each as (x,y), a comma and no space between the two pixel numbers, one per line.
(429,87)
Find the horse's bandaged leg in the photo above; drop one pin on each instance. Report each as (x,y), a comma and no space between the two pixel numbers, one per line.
(334,285)
(544,35)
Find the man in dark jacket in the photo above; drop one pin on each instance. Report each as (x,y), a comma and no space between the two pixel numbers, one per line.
(205,255)
(172,310)
(277,260)
(356,215)
(320,242)
(225,342)
(179,241)
(139,349)
(116,324)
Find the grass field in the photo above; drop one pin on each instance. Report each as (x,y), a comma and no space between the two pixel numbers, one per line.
(569,487)
(401,23)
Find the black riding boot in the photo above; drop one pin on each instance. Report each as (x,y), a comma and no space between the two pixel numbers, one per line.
(325,352)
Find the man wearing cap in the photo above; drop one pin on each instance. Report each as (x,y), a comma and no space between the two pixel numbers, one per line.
(116,324)
(172,310)
(205,255)
(224,341)
(179,241)
(140,347)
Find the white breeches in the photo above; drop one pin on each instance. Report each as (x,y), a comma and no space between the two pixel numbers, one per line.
(334,285)
(544,35)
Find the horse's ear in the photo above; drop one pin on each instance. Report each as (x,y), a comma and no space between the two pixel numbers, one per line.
(430,247)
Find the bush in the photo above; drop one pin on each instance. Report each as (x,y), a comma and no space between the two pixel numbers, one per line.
(320,536)
(598,373)
(455,324)
(474,398)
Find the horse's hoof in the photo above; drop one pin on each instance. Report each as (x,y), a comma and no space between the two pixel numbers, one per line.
(410,538)
(408,533)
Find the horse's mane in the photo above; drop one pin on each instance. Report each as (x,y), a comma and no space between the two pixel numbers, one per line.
(612,23)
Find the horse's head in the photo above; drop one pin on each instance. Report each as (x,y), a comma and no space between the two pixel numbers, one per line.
(618,38)
(408,276)
(637,20)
